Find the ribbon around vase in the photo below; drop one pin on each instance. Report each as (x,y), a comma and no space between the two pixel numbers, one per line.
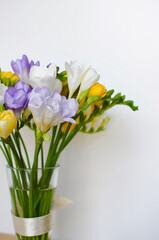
(30,227)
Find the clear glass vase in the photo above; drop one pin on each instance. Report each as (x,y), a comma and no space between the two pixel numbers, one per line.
(32,200)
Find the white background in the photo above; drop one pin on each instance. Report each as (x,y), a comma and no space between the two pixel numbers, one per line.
(113,176)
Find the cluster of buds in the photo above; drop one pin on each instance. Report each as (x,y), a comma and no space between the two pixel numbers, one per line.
(8,78)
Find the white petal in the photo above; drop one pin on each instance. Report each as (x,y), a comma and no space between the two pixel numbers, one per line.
(89,78)
(37,107)
(3,88)
(52,109)
(57,85)
(74,74)
(42,76)
(53,70)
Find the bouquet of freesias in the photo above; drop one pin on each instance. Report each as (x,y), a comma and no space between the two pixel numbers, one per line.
(56,106)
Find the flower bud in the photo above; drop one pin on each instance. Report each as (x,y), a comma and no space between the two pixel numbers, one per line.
(88,102)
(97,90)
(8,122)
(83,95)
(8,78)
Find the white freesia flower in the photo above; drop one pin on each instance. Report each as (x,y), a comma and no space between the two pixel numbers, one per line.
(37,107)
(41,76)
(3,88)
(77,74)
(89,78)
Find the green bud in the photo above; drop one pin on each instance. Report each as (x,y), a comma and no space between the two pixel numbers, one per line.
(39,136)
(26,114)
(131,105)
(62,76)
(57,69)
(123,97)
(2,109)
(46,137)
(104,122)
(88,102)
(83,95)
(117,96)
(109,93)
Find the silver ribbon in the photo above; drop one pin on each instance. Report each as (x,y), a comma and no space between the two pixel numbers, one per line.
(30,227)
(33,226)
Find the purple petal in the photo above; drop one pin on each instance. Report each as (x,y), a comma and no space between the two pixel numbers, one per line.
(43,92)
(24,86)
(71,120)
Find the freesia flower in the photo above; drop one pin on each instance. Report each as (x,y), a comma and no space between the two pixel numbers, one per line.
(17,97)
(89,78)
(98,90)
(75,72)
(8,122)
(77,75)
(3,88)
(36,104)
(8,78)
(22,68)
(9,75)
(41,76)
(51,110)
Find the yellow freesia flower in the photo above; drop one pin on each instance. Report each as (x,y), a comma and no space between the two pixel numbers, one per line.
(6,74)
(8,122)
(97,90)
(9,75)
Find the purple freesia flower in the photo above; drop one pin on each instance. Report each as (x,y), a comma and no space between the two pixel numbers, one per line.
(17,97)
(51,110)
(22,67)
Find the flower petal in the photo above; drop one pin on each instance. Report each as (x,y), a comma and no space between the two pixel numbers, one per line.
(89,78)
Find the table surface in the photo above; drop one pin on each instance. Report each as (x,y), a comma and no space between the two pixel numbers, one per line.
(7,237)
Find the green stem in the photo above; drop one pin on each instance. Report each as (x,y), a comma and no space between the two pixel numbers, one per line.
(16,140)
(42,157)
(6,154)
(33,177)
(53,145)
(25,150)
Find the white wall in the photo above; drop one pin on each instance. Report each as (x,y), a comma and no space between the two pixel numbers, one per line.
(112,177)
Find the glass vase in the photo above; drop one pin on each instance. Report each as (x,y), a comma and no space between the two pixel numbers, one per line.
(32,201)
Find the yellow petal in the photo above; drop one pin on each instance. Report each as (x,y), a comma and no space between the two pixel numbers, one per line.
(97,90)
(8,122)
(6,74)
